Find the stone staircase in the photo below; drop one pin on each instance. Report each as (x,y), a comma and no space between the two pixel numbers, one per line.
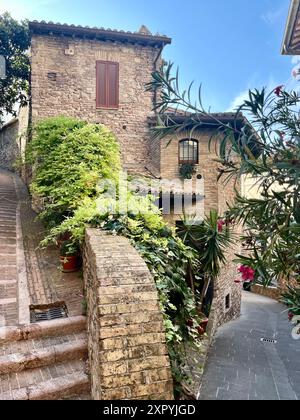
(45,361)
(8,257)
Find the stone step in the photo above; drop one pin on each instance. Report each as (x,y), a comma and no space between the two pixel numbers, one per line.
(7,249)
(7,223)
(8,290)
(8,301)
(18,362)
(7,215)
(7,261)
(83,397)
(7,282)
(56,388)
(8,272)
(10,200)
(7,206)
(4,241)
(5,229)
(59,327)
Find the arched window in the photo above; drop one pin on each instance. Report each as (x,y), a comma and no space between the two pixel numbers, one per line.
(189,152)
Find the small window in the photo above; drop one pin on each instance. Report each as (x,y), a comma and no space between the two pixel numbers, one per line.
(107,86)
(189,152)
(227,302)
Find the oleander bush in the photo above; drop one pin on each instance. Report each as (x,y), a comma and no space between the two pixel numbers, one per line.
(266,148)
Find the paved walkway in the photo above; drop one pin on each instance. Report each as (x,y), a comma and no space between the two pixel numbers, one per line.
(28,274)
(242,367)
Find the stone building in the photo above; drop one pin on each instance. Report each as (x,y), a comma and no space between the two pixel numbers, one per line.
(100,76)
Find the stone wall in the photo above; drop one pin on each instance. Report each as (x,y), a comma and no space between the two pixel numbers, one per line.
(226,292)
(63,84)
(8,144)
(126,338)
(216,194)
(271,292)
(274,292)
(13,137)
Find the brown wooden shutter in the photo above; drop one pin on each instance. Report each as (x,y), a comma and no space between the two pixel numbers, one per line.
(107,84)
(113,84)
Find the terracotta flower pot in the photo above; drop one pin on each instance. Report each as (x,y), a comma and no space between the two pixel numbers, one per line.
(70,264)
(201,330)
(203,324)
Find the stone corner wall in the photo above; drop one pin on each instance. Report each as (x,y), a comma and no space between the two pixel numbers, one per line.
(225,287)
(8,145)
(126,338)
(13,139)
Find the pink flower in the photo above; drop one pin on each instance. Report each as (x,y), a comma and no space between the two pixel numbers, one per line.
(278,90)
(248,274)
(221,223)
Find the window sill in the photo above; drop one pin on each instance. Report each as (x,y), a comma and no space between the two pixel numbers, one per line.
(188,163)
(104,108)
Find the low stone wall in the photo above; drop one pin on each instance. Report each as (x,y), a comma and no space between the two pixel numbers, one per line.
(126,338)
(271,292)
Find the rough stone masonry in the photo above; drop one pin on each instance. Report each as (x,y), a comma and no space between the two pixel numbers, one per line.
(126,337)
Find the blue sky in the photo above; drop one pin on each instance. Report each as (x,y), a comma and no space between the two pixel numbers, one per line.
(227,45)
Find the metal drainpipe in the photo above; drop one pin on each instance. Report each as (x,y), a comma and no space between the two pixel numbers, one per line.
(155,69)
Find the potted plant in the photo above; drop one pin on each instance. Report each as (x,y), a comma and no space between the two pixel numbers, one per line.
(69,257)
(204,322)
(187,170)
(62,238)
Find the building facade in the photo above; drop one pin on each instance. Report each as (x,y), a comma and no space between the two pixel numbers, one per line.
(99,76)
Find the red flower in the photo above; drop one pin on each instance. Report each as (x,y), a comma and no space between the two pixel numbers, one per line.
(291,316)
(278,90)
(248,274)
(221,223)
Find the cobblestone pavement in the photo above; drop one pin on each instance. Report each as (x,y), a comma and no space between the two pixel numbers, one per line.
(241,366)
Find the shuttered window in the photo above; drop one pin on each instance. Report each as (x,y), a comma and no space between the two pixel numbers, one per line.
(107,84)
